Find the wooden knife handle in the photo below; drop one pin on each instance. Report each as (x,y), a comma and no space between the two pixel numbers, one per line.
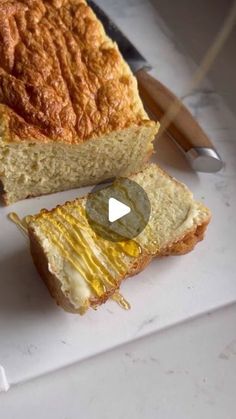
(160,101)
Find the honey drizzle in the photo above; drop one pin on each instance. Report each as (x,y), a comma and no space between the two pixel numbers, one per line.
(78,242)
(21,224)
(119,299)
(122,188)
(71,255)
(76,234)
(118,264)
(76,246)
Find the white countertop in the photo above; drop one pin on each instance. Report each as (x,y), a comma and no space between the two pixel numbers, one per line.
(187,370)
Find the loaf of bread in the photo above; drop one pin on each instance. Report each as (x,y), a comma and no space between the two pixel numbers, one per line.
(70,113)
(82,270)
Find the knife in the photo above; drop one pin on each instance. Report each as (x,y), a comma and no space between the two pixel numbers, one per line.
(160,101)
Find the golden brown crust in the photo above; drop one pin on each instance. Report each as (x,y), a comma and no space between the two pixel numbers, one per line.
(61,77)
(188,242)
(185,245)
(3,195)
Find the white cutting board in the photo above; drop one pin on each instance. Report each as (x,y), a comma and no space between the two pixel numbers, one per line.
(36,336)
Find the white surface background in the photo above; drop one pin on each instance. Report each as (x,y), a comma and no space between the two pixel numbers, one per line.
(185,372)
(116,382)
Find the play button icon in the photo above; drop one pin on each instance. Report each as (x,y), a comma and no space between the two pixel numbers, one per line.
(118,210)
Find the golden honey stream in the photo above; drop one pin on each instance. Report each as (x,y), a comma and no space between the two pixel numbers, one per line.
(72,235)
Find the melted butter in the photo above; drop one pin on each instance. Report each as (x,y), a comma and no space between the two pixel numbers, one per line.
(76,287)
(119,299)
(98,261)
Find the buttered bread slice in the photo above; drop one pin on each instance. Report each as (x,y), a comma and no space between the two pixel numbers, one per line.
(70,112)
(82,270)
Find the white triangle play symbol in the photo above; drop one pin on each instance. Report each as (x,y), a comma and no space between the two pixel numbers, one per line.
(117,210)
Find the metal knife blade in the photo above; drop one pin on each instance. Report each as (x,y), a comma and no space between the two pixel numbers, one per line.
(133,57)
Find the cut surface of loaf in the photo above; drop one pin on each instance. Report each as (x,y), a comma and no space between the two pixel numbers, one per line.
(82,269)
(70,113)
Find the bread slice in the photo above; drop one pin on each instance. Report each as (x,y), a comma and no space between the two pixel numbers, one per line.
(70,112)
(81,269)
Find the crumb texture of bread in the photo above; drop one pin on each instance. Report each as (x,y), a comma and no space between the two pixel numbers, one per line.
(64,83)
(82,270)
(174,212)
(28,170)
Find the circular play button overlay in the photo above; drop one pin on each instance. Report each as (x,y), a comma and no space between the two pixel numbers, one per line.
(119,210)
